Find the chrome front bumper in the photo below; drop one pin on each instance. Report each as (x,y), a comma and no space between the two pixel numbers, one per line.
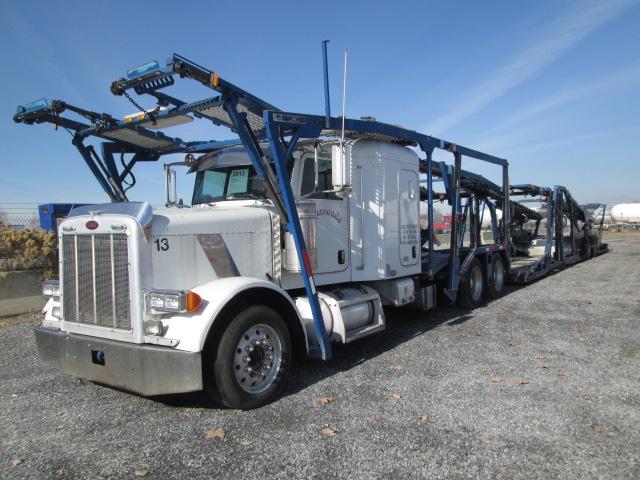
(144,369)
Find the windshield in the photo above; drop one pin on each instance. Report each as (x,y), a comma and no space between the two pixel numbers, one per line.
(227,183)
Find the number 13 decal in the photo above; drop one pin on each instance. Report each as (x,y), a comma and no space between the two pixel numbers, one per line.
(162,244)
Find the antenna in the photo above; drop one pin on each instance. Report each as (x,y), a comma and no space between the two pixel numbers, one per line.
(344,95)
(344,106)
(325,68)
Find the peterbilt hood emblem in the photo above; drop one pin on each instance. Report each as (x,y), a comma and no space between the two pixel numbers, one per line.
(218,255)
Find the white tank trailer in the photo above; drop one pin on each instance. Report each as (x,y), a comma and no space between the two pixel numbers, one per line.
(626,213)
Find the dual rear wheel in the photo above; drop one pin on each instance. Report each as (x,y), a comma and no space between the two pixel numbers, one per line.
(498,275)
(473,287)
(587,248)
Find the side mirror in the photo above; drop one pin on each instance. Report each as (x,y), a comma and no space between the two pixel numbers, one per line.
(340,171)
(170,185)
(170,188)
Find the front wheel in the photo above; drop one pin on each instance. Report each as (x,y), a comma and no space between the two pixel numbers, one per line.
(252,360)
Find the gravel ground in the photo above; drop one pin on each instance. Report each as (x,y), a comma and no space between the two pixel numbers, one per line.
(542,383)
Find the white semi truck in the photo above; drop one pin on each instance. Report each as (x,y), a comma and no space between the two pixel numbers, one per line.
(159,297)
(298,233)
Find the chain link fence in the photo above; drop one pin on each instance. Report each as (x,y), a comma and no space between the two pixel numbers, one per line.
(19,221)
(18,216)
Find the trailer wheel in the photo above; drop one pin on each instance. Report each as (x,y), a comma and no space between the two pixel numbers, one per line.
(252,361)
(587,252)
(494,289)
(472,287)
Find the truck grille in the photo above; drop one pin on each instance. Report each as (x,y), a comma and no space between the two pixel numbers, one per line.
(95,287)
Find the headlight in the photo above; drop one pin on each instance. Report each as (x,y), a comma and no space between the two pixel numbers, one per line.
(173,300)
(51,288)
(156,300)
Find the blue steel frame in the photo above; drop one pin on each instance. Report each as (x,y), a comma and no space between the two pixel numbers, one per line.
(325,69)
(483,188)
(151,77)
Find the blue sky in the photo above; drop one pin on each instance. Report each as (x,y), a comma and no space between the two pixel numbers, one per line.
(552,86)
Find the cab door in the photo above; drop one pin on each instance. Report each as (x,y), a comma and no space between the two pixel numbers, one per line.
(408,195)
(332,215)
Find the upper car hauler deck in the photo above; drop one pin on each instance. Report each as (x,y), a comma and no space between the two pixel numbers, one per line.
(301,230)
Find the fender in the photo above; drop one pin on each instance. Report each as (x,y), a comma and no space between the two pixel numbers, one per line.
(192,329)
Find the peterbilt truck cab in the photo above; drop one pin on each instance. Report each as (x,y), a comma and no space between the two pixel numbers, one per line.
(167,300)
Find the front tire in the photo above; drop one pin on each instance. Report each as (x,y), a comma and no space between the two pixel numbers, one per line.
(472,287)
(252,360)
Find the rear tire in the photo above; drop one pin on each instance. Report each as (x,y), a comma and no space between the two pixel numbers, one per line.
(498,275)
(252,361)
(587,252)
(472,287)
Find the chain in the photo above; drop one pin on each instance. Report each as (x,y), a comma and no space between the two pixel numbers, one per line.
(152,114)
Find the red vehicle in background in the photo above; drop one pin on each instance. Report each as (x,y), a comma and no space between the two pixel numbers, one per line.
(444,226)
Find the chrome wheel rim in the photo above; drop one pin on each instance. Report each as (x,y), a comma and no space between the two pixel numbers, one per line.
(258,357)
(498,275)
(475,283)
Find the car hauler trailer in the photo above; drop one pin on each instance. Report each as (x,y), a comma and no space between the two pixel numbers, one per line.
(472,265)
(299,232)
(558,234)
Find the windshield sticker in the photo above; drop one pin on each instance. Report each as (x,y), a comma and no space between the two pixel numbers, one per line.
(238,181)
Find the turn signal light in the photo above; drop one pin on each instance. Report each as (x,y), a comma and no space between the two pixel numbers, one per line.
(193,301)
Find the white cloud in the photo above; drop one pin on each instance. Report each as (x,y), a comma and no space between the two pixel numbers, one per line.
(520,126)
(560,35)
(548,146)
(616,80)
